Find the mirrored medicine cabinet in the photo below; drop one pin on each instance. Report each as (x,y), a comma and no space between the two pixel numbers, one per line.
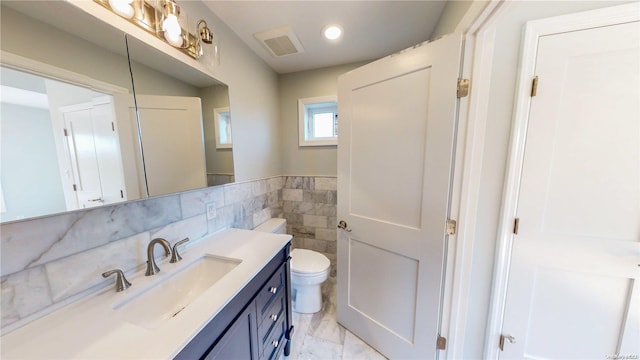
(74,136)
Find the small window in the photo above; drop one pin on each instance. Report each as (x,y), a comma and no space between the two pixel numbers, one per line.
(318,121)
(223,128)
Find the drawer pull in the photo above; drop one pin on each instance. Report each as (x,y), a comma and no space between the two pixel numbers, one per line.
(273,290)
(274,317)
(275,343)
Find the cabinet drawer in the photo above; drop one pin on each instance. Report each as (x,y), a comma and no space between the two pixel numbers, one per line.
(275,341)
(269,293)
(270,323)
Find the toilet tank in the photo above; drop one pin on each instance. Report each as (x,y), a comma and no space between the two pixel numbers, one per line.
(275,225)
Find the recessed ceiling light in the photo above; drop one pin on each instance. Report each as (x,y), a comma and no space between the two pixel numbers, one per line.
(332,32)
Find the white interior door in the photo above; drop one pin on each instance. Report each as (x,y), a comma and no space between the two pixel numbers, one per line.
(84,160)
(108,152)
(172,143)
(573,288)
(397,121)
(94,153)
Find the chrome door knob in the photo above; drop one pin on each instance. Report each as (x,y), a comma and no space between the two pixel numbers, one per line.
(343,225)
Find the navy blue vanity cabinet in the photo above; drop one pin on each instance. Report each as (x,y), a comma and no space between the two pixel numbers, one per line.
(271,306)
(233,344)
(256,324)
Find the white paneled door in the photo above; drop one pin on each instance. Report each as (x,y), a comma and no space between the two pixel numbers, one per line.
(573,289)
(172,143)
(94,153)
(397,125)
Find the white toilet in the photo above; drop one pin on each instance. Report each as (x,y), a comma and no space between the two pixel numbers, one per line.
(309,269)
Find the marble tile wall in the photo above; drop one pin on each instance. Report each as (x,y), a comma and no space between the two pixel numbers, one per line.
(49,262)
(220,179)
(309,205)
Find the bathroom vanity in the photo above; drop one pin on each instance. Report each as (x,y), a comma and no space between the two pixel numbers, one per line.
(228,298)
(262,328)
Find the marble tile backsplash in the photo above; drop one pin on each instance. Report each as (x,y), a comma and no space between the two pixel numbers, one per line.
(309,205)
(49,262)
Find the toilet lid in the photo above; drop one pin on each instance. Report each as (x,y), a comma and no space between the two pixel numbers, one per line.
(308,261)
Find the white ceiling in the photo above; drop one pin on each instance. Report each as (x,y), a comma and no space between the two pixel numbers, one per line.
(372,29)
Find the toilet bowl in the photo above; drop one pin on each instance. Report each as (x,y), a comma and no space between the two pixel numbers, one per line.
(309,269)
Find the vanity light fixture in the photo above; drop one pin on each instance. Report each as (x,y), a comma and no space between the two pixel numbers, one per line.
(171,29)
(122,8)
(163,18)
(332,32)
(205,33)
(207,37)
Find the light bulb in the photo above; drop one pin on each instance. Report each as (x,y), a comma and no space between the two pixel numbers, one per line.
(332,32)
(172,30)
(122,8)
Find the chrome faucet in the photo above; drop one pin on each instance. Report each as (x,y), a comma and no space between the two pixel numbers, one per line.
(152,268)
(121,282)
(175,256)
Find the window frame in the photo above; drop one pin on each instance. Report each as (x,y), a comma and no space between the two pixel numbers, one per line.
(303,120)
(220,113)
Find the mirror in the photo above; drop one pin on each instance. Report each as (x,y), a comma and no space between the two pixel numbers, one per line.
(65,143)
(47,55)
(61,147)
(189,105)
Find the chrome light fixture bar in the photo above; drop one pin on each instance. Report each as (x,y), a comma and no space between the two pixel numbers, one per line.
(163,19)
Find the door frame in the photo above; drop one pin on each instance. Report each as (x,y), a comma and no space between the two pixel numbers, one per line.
(533,31)
(478,29)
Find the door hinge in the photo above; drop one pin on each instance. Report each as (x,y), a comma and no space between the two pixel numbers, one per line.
(463,88)
(113,126)
(441,343)
(452,226)
(121,194)
(516,225)
(534,86)
(75,188)
(65,132)
(504,338)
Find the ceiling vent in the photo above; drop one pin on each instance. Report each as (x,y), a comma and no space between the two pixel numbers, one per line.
(280,41)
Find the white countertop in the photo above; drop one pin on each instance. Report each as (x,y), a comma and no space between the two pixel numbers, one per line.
(90,329)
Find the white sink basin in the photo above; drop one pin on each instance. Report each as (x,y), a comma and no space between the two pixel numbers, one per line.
(166,297)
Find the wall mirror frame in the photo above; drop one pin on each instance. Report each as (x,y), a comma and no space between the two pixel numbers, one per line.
(43,16)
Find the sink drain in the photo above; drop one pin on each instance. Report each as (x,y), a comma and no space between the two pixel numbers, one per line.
(178,312)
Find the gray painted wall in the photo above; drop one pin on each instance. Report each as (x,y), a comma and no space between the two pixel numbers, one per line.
(450,17)
(29,165)
(316,160)
(219,161)
(17,37)
(253,94)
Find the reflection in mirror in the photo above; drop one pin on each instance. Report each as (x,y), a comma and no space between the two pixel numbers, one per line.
(176,112)
(222,122)
(60,147)
(60,76)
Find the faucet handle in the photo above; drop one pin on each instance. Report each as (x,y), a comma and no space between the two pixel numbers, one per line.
(175,256)
(121,281)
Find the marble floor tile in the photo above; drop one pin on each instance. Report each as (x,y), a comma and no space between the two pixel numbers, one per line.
(319,336)
(314,348)
(356,349)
